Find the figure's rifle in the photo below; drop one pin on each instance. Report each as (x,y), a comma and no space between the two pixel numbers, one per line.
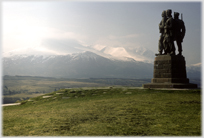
(183,30)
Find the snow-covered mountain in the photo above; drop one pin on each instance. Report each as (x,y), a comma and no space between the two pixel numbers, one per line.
(194,71)
(87,65)
(138,53)
(118,53)
(77,65)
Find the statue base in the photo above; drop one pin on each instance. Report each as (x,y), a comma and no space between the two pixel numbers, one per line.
(170,72)
(169,85)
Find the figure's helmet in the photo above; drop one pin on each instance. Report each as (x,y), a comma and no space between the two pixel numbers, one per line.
(176,14)
(168,12)
(163,13)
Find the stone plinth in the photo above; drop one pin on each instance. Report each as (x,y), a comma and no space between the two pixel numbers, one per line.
(170,85)
(169,72)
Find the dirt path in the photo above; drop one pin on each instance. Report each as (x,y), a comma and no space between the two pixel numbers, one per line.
(11,104)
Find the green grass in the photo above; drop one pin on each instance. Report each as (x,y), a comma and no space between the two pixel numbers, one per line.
(107,112)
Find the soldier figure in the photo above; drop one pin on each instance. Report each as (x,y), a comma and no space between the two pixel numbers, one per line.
(180,31)
(168,42)
(161,30)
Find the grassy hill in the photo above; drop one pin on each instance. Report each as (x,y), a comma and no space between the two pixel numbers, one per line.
(25,87)
(106,111)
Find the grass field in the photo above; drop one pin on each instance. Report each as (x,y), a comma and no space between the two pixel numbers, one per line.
(25,87)
(106,111)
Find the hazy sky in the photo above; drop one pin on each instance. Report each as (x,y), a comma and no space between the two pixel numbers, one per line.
(67,26)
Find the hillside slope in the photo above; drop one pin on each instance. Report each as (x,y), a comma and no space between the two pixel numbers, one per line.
(106,112)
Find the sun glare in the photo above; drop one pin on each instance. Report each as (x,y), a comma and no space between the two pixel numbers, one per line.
(22,32)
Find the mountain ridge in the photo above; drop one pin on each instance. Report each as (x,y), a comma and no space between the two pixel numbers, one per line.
(82,65)
(86,64)
(118,53)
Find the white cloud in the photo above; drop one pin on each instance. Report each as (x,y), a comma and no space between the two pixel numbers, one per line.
(99,47)
(128,36)
(117,52)
(54,33)
(32,51)
(197,65)
(128,41)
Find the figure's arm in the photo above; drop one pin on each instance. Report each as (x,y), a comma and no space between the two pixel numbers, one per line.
(169,24)
(160,25)
(183,30)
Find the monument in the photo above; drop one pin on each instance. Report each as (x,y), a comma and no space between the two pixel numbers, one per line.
(169,68)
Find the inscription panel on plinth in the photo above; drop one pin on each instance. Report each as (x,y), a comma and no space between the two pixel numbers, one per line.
(167,66)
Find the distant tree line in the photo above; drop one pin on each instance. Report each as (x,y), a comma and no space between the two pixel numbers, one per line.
(7,91)
(7,100)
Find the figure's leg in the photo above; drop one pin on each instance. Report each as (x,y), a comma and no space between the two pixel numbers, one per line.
(165,45)
(160,45)
(172,48)
(179,47)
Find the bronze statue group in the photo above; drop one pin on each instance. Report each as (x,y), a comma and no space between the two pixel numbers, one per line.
(171,29)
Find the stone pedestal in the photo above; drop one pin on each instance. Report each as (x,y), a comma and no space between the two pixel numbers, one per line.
(170,72)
